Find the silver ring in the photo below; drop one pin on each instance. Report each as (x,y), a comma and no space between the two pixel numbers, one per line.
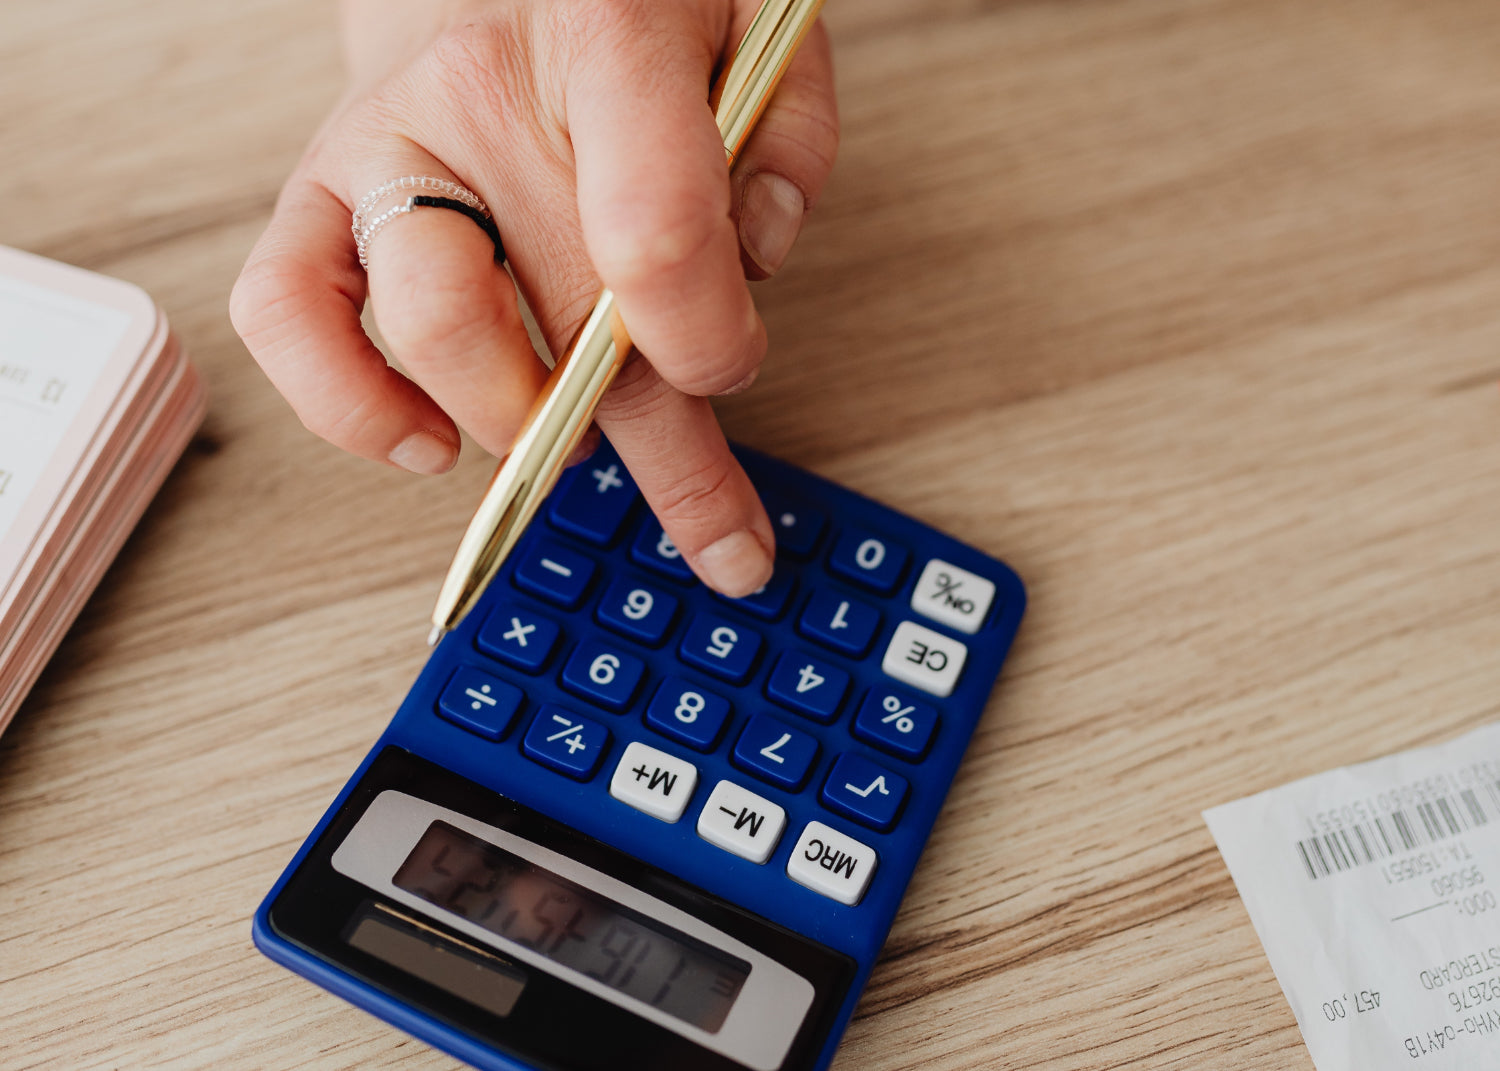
(365,226)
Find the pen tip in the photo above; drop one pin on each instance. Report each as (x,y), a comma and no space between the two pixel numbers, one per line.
(437,633)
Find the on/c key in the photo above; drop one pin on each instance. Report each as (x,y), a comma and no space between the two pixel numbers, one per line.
(952,596)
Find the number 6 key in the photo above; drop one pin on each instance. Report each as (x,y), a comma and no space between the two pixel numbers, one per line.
(637,611)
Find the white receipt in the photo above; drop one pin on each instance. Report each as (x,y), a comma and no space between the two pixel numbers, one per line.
(52,348)
(1375,890)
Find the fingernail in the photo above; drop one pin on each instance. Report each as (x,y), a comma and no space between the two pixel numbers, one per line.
(742,385)
(736,565)
(424,452)
(770,218)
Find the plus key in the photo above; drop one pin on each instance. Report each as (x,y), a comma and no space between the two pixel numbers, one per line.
(596,498)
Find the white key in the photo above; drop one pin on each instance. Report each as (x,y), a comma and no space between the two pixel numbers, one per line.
(828,862)
(741,822)
(924,659)
(952,596)
(654,782)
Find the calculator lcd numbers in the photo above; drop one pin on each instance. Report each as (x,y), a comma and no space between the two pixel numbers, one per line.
(544,910)
(587,935)
(435,901)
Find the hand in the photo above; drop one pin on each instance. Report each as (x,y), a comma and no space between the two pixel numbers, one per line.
(584,126)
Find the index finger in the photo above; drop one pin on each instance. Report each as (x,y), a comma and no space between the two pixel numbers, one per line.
(673,446)
(654,201)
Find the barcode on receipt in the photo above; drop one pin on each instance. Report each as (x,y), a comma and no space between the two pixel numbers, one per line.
(1399,831)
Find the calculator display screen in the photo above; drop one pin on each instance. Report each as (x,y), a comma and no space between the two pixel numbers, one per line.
(572,926)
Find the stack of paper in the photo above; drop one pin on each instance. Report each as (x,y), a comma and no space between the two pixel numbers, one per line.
(97,401)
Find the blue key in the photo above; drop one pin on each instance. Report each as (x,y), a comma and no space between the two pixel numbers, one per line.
(567,743)
(596,500)
(796,526)
(770,601)
(635,610)
(846,625)
(688,714)
(555,573)
(775,752)
(871,795)
(479,702)
(724,648)
(808,686)
(518,636)
(656,551)
(867,559)
(896,723)
(603,675)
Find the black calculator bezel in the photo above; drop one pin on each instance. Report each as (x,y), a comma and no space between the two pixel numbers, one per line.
(315,908)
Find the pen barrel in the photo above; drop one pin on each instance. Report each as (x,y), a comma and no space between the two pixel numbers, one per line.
(751,78)
(551,432)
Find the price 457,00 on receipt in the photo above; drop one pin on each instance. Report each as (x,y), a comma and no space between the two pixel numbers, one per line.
(1375,890)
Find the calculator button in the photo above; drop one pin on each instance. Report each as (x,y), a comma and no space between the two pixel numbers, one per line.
(654,549)
(769,601)
(952,596)
(846,625)
(924,659)
(741,822)
(871,795)
(567,743)
(556,574)
(796,527)
(688,714)
(808,686)
(596,500)
(479,702)
(516,635)
(724,648)
(635,610)
(775,752)
(873,561)
(654,782)
(896,724)
(831,863)
(602,675)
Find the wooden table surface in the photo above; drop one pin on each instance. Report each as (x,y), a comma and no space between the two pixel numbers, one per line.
(1189,309)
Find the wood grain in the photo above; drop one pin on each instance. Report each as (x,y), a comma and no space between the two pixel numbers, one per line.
(1190,310)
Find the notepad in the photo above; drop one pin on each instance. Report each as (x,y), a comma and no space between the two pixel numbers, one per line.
(97,402)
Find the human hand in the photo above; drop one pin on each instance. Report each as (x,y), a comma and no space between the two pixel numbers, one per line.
(584,125)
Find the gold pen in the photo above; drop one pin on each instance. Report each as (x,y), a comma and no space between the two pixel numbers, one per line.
(562,412)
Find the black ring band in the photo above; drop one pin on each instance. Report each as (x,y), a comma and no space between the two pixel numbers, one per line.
(486,224)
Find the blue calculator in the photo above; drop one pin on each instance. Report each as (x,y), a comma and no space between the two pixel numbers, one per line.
(622,823)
